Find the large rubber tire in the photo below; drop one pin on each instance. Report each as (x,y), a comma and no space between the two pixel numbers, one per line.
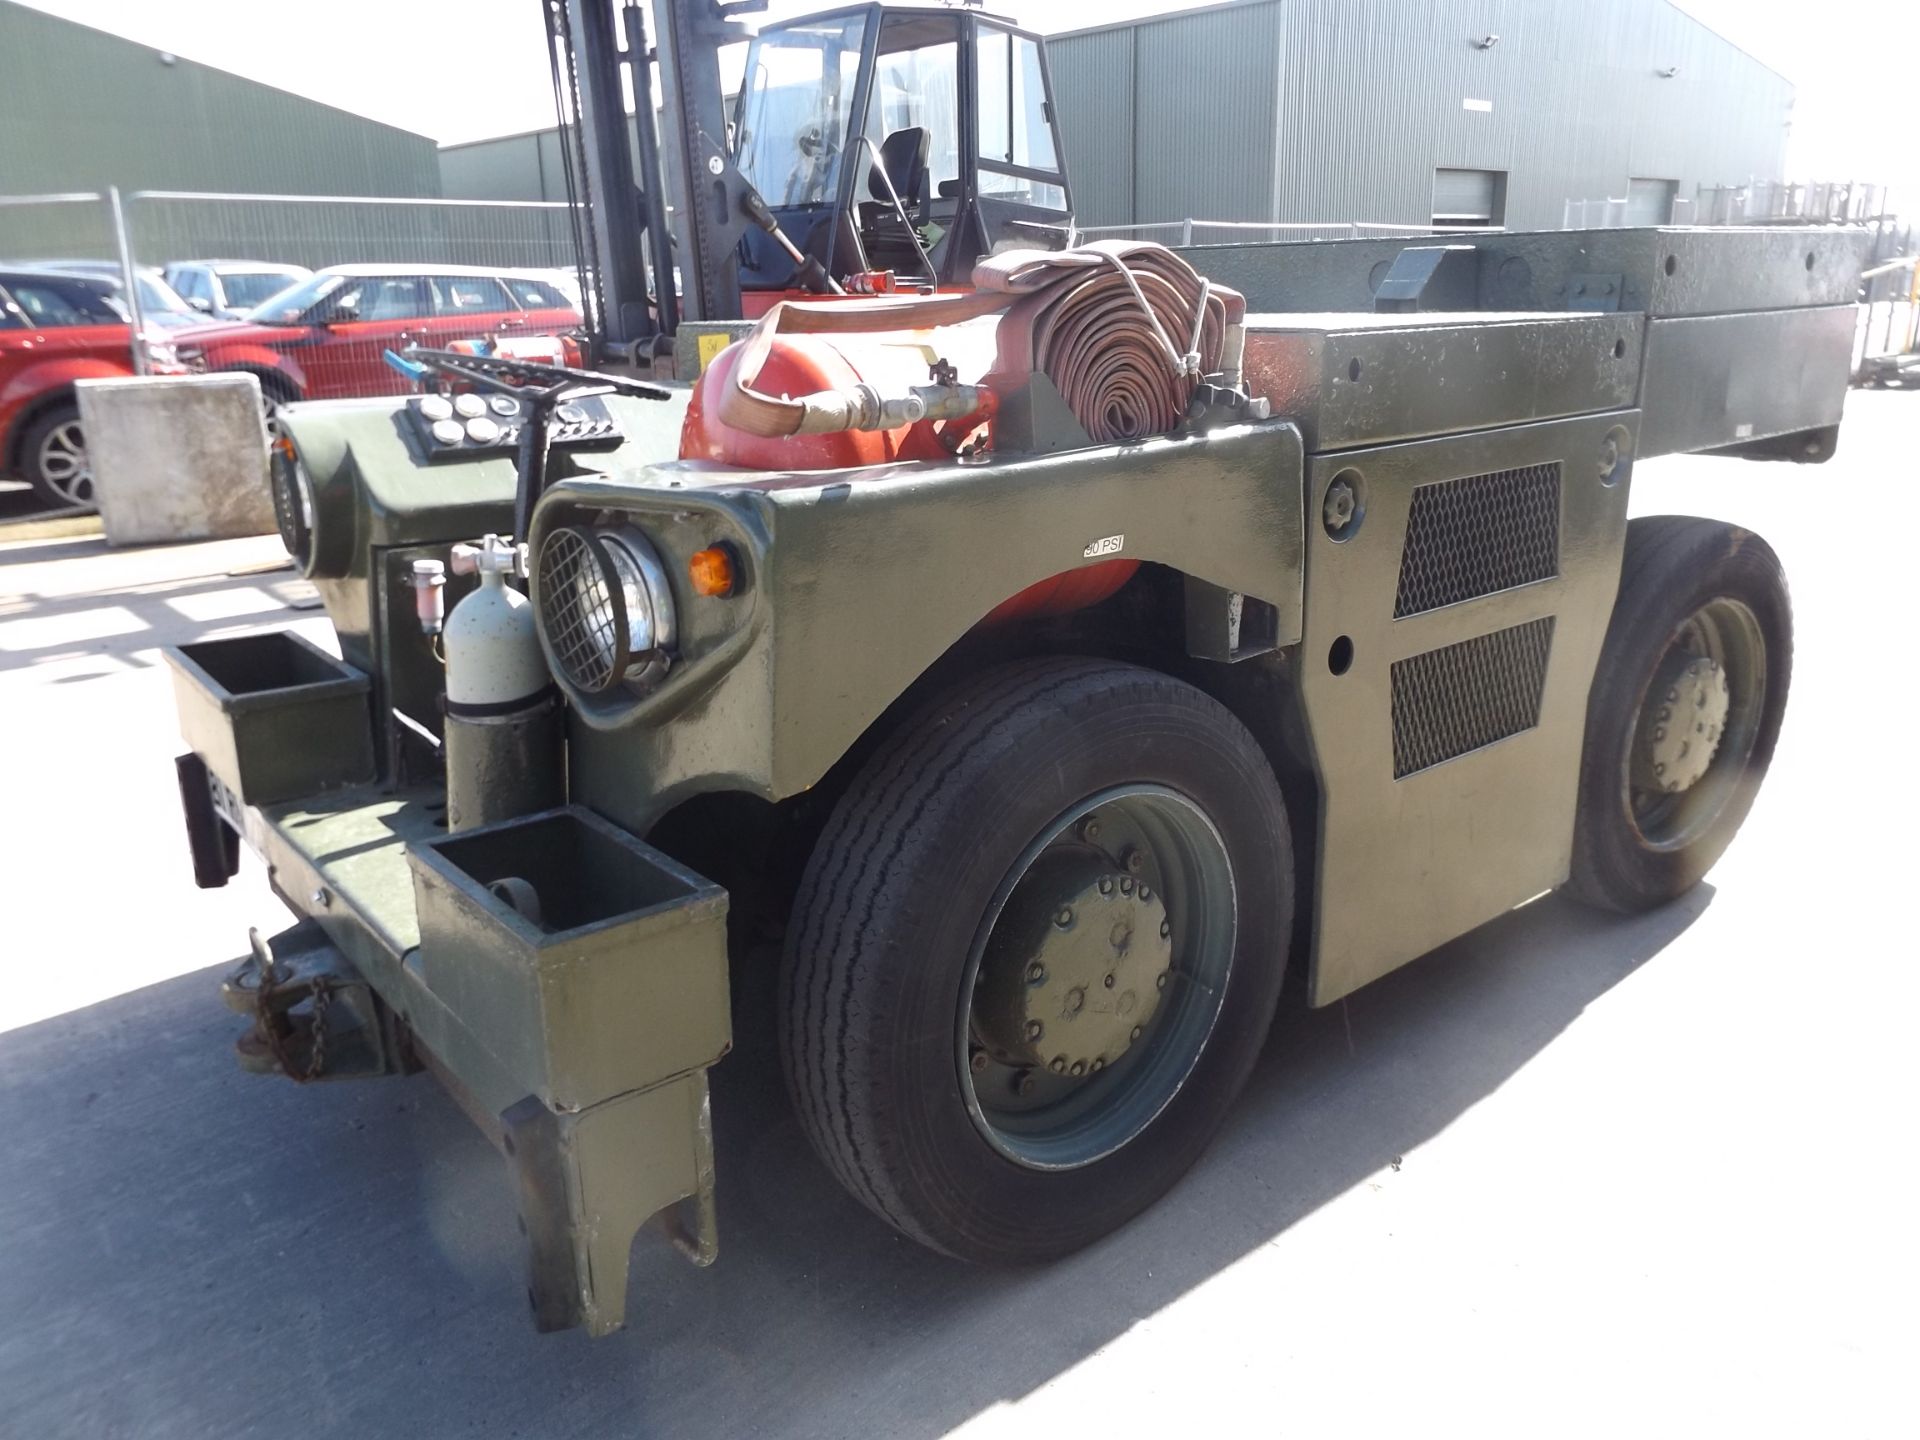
(1673,566)
(43,445)
(893,897)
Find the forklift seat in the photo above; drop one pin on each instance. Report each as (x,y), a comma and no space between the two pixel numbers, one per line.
(904,153)
(889,244)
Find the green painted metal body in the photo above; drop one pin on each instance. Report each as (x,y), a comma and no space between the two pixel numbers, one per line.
(582,1045)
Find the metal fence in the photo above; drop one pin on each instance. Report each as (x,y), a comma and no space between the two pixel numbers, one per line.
(1190,232)
(1889,320)
(143,231)
(1615,213)
(1810,202)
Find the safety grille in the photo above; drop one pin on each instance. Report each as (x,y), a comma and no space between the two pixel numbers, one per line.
(580,609)
(1460,697)
(1478,534)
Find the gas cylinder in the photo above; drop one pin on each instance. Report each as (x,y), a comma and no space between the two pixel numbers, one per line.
(503,730)
(891,361)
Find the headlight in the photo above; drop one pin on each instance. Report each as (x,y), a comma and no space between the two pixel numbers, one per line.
(606,611)
(160,353)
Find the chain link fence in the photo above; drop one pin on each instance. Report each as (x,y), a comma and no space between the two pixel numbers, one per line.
(200,256)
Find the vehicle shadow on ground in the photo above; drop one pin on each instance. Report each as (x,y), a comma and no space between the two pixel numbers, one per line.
(195,1252)
(117,627)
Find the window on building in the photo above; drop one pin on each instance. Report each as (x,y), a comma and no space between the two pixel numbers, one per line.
(1470,197)
(1650,202)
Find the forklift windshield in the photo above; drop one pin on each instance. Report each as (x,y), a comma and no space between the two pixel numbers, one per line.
(850,125)
(795,99)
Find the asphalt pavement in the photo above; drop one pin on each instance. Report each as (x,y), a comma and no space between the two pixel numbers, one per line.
(1570,1175)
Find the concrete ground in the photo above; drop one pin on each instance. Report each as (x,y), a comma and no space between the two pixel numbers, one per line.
(1571,1175)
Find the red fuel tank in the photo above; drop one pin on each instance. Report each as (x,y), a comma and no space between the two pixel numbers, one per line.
(891,361)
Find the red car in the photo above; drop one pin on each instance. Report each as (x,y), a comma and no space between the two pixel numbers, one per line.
(323,338)
(56,328)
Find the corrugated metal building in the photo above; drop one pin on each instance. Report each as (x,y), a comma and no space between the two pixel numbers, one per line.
(527,166)
(81,109)
(1410,111)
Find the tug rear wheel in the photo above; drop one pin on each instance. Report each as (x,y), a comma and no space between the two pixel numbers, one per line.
(1035,954)
(1685,709)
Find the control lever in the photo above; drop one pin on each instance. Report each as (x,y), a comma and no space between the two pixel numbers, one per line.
(809,271)
(544,388)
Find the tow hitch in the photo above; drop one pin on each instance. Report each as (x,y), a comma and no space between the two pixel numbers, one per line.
(314,1017)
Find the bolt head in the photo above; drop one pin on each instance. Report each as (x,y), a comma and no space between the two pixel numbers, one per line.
(1090,828)
(1145,893)
(1036,973)
(1035,1029)
(978,1062)
(1108,982)
(1058,1065)
(1099,1063)
(1136,860)
(1079,1067)
(1166,929)
(1126,887)
(1160,981)
(1106,885)
(1063,917)
(322,898)
(1023,1084)
(1134,1034)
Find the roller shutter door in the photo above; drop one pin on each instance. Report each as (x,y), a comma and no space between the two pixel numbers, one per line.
(1650,202)
(1466,197)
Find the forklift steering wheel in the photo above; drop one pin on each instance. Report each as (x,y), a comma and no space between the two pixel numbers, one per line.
(491,372)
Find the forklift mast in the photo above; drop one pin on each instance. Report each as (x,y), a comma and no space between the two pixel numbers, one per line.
(864,140)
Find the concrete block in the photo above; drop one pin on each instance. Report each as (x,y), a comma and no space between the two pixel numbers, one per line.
(177,457)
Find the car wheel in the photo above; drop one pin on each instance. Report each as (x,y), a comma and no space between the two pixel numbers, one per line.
(53,453)
(1684,711)
(1035,954)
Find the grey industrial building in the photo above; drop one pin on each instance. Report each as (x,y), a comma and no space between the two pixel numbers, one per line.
(1402,112)
(81,109)
(1489,112)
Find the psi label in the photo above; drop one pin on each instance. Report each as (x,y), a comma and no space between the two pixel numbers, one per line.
(1111,545)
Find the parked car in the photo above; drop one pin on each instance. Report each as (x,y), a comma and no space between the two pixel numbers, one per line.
(228,289)
(160,305)
(57,328)
(323,339)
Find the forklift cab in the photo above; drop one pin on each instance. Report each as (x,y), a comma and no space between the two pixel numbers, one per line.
(910,140)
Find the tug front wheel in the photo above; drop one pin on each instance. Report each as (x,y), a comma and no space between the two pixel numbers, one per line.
(1684,712)
(1035,954)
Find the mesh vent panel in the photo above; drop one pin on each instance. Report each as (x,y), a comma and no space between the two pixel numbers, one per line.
(580,610)
(1461,697)
(1479,534)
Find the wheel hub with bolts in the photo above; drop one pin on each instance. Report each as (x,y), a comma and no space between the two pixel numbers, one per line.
(1082,952)
(1681,723)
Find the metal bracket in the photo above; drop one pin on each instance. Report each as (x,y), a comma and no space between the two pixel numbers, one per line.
(314,1017)
(1594,292)
(1430,277)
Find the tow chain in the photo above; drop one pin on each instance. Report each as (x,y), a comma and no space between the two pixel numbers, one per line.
(276,1043)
